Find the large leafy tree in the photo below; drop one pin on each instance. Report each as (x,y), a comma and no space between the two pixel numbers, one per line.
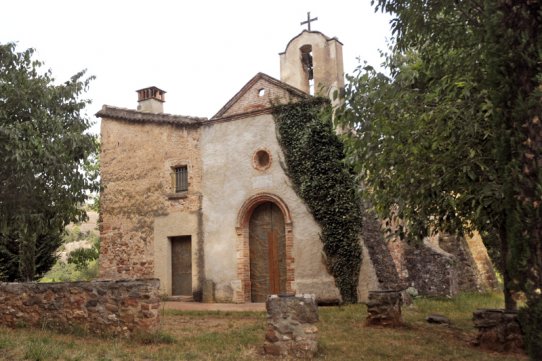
(44,146)
(452,134)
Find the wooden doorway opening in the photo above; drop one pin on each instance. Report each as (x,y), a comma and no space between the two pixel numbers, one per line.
(267,252)
(181,266)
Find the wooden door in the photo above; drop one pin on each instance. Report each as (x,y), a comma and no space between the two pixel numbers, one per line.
(181,266)
(267,252)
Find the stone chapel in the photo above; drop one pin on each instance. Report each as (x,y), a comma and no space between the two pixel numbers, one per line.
(206,206)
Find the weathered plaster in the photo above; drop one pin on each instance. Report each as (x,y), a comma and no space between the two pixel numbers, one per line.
(327,63)
(229,179)
(172,225)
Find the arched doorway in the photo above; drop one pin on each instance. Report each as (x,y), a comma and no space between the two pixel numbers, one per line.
(267,252)
(243,294)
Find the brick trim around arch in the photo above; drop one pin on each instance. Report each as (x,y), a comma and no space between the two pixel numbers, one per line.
(243,254)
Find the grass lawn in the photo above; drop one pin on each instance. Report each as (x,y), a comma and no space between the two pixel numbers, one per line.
(239,336)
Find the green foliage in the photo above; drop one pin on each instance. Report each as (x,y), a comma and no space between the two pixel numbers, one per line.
(44,254)
(43,149)
(81,264)
(314,159)
(453,135)
(68,272)
(82,257)
(424,163)
(530,318)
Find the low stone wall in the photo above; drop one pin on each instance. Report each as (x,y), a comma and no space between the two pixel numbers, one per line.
(498,330)
(100,307)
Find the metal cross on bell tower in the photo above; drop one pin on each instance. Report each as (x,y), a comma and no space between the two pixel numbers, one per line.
(308,22)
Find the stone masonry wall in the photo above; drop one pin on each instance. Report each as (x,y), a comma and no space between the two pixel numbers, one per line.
(136,166)
(443,265)
(373,237)
(431,272)
(458,247)
(99,307)
(487,279)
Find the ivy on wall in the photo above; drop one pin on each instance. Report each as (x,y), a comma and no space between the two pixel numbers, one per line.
(314,162)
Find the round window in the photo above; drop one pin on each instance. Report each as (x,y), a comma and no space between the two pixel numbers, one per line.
(261,159)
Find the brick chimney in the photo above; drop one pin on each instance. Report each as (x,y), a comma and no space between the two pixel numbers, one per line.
(151,100)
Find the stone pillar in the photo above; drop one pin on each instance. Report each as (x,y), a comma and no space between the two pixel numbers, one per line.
(291,328)
(498,330)
(384,308)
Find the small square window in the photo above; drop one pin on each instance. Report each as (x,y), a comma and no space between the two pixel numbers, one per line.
(180,179)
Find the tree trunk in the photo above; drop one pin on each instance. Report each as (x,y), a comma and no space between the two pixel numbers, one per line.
(510,303)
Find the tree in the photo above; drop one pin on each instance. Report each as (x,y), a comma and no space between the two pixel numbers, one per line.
(43,149)
(453,136)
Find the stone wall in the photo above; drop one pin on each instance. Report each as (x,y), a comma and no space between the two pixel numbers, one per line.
(498,330)
(136,167)
(99,307)
(430,271)
(470,279)
(442,266)
(373,238)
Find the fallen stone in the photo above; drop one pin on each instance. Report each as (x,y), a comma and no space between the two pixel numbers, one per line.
(438,319)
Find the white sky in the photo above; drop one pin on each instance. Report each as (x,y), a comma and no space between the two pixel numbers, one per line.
(201,52)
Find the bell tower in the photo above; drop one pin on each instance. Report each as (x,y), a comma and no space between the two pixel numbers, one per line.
(313,63)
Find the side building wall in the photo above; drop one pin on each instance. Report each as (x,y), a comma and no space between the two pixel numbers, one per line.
(139,210)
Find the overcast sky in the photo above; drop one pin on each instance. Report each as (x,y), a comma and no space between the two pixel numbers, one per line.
(201,52)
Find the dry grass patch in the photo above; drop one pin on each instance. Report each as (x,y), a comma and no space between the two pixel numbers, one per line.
(239,336)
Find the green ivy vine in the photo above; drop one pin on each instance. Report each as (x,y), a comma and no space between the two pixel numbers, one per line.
(314,162)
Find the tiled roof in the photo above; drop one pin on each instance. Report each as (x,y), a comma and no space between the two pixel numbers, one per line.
(143,117)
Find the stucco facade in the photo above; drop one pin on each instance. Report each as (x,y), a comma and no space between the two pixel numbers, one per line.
(230,179)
